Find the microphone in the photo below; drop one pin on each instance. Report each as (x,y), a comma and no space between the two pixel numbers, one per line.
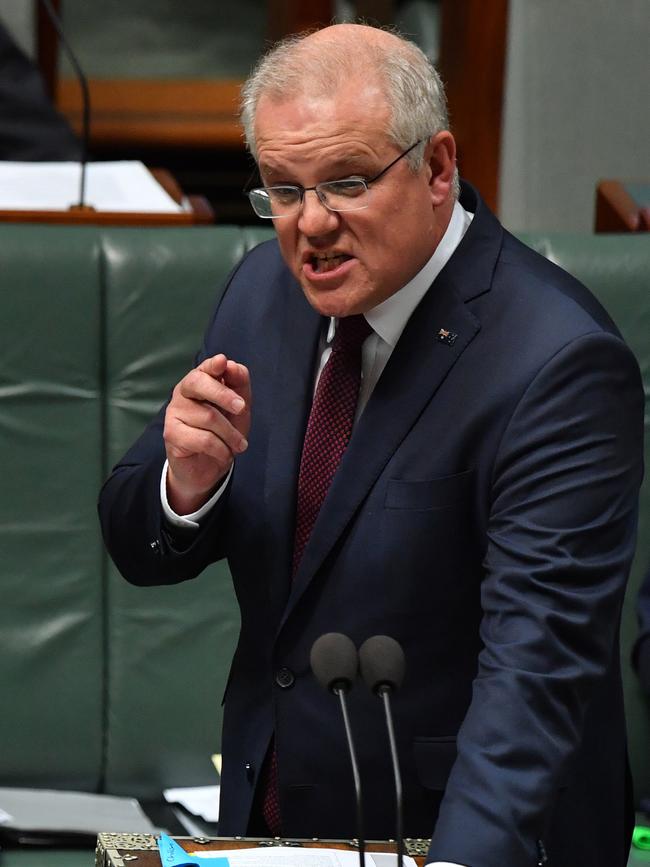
(85,100)
(382,667)
(335,662)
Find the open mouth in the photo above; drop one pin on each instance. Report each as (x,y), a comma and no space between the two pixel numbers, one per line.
(325,262)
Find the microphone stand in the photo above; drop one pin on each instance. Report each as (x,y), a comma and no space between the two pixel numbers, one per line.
(340,692)
(384,692)
(85,100)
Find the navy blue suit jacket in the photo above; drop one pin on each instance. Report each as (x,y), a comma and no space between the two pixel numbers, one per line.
(484,514)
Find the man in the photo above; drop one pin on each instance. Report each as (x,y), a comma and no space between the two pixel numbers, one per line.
(483,512)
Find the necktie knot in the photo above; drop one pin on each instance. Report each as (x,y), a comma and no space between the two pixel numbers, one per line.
(350,333)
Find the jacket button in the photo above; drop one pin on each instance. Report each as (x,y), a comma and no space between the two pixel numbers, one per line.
(155,546)
(250,771)
(284,678)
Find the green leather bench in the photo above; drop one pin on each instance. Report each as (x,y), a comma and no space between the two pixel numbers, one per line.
(107,687)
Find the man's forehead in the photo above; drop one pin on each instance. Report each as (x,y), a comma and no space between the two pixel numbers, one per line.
(348,99)
(350,148)
(353,106)
(347,162)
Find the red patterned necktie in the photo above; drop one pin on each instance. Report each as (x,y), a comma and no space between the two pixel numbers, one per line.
(329,426)
(328,431)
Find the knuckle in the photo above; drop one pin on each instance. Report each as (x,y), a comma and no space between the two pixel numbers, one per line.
(211,415)
(205,441)
(193,378)
(168,427)
(204,438)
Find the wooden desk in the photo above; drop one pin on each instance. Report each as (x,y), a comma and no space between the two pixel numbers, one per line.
(117,850)
(199,211)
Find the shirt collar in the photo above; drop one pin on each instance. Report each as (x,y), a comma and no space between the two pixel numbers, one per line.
(389,318)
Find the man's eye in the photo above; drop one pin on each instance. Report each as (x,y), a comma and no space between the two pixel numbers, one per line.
(348,187)
(284,195)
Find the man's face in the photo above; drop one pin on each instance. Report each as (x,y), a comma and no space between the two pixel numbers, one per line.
(370,253)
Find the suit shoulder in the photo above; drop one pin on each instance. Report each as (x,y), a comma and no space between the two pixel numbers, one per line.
(264,255)
(546,287)
(260,273)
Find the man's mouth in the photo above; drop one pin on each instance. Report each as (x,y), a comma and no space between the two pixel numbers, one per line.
(324,262)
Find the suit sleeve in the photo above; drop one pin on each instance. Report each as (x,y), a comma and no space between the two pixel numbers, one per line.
(146,549)
(143,545)
(561,537)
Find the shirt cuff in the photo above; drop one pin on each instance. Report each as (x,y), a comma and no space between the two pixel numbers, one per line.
(193,520)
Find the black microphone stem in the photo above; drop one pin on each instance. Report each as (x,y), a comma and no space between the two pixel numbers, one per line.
(355,773)
(384,692)
(85,96)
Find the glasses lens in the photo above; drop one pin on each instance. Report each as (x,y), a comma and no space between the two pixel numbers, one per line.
(351,194)
(275,201)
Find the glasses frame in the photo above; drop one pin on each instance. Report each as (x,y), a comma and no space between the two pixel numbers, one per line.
(319,191)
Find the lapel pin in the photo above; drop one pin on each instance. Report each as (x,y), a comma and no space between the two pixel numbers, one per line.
(446,336)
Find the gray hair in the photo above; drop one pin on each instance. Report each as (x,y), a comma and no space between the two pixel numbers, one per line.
(414,91)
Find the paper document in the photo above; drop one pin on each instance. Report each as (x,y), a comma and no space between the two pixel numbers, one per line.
(200,801)
(301,856)
(125,185)
(54,812)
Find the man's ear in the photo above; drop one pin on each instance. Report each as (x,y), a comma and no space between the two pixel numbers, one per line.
(440,157)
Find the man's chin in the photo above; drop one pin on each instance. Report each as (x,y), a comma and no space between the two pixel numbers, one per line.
(335,302)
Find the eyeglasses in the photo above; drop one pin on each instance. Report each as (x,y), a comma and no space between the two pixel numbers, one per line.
(348,194)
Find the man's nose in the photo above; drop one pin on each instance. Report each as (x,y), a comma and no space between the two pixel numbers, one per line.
(315,218)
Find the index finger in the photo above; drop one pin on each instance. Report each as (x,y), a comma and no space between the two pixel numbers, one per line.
(215,366)
(200,385)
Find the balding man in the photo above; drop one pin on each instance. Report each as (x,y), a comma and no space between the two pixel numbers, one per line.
(402,421)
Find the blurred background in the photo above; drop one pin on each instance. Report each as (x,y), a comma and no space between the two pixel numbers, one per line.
(547,98)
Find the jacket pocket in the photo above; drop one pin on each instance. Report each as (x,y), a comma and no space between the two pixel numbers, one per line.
(434,759)
(429,493)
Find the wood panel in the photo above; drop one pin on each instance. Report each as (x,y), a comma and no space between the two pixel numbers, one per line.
(47,46)
(376,11)
(287,16)
(617,211)
(472,65)
(140,113)
(83,217)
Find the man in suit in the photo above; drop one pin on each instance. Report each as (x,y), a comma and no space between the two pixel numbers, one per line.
(481,509)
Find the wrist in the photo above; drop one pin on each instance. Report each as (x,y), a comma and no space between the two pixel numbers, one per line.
(184,499)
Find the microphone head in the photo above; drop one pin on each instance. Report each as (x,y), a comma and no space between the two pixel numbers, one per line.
(334,661)
(382,663)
